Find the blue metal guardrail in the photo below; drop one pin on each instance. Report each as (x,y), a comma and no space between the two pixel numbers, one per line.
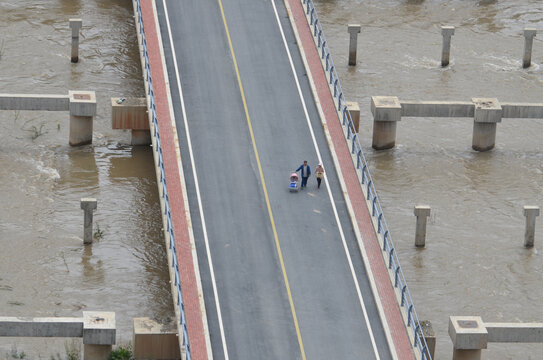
(376,211)
(167,211)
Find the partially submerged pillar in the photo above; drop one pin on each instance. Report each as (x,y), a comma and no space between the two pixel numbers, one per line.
(530,212)
(354,110)
(131,113)
(469,336)
(88,205)
(447,32)
(529,34)
(421,212)
(155,341)
(427,330)
(387,111)
(488,112)
(82,110)
(75,25)
(354,30)
(99,332)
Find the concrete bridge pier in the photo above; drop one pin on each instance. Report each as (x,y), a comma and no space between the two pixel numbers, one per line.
(354,30)
(75,25)
(421,212)
(354,110)
(530,212)
(529,34)
(82,109)
(488,112)
(88,205)
(131,114)
(387,111)
(447,32)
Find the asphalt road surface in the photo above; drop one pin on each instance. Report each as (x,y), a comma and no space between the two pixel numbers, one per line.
(280,270)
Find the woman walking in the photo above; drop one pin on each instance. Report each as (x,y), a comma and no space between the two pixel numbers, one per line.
(319,174)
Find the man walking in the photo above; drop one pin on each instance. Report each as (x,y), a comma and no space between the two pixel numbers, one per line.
(305,172)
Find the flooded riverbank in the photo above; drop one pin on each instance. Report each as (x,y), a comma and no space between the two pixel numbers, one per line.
(45,270)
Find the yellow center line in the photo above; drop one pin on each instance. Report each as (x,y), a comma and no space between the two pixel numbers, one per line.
(270,213)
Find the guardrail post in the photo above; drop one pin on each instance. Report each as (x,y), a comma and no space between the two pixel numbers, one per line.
(354,110)
(88,205)
(75,25)
(447,32)
(421,212)
(488,112)
(529,34)
(354,30)
(387,111)
(530,212)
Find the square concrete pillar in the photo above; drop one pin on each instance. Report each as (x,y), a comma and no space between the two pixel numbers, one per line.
(447,32)
(82,106)
(75,25)
(469,336)
(99,332)
(488,112)
(155,341)
(354,110)
(530,212)
(354,30)
(428,331)
(129,113)
(387,111)
(529,34)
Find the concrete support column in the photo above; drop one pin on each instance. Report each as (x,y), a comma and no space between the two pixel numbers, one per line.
(354,30)
(88,205)
(421,212)
(99,332)
(488,112)
(75,25)
(530,212)
(469,337)
(387,111)
(131,113)
(428,331)
(82,110)
(354,110)
(155,341)
(529,34)
(447,32)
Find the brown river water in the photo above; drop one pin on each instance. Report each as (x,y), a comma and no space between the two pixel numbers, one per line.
(44,268)
(474,262)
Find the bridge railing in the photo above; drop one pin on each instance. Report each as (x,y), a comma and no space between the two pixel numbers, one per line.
(409,313)
(167,210)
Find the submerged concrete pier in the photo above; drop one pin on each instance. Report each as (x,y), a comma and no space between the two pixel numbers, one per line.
(486,113)
(354,30)
(447,32)
(530,212)
(75,25)
(421,212)
(80,104)
(470,335)
(529,34)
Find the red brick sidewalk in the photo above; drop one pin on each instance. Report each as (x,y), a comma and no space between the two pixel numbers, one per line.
(347,171)
(180,225)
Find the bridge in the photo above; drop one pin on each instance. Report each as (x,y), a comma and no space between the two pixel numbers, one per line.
(238,98)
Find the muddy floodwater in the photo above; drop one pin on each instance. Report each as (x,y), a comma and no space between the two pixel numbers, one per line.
(474,262)
(44,268)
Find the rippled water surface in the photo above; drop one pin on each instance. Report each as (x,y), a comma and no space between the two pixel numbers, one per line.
(474,262)
(44,268)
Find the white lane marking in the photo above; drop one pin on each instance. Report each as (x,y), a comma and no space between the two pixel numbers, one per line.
(347,253)
(194,174)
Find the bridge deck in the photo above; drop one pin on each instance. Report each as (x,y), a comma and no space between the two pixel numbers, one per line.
(243,244)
